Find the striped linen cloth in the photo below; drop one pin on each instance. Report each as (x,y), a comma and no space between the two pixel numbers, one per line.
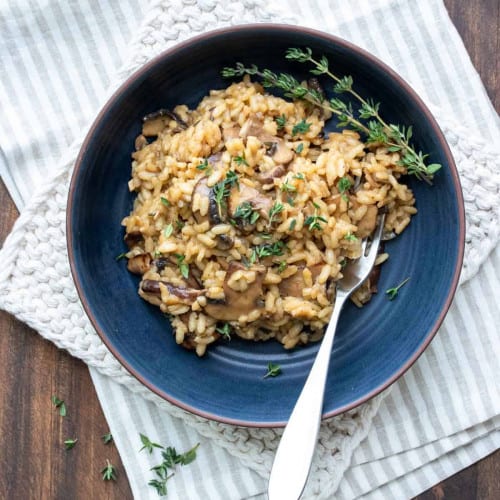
(58,59)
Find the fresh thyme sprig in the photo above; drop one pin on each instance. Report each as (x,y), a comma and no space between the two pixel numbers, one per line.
(183,267)
(246,213)
(59,403)
(393,292)
(170,459)
(366,119)
(274,211)
(109,472)
(267,250)
(70,443)
(225,331)
(222,189)
(343,186)
(314,221)
(273,370)
(107,438)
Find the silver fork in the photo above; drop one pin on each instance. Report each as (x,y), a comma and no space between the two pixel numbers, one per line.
(295,452)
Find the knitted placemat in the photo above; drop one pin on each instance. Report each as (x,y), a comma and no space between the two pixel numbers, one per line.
(36,284)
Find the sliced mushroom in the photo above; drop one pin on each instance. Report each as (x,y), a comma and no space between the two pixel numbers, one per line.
(215,158)
(373,278)
(277,148)
(201,189)
(160,263)
(268,177)
(224,242)
(166,112)
(313,84)
(230,133)
(236,304)
(133,238)
(194,278)
(139,264)
(140,142)
(253,126)
(283,154)
(293,286)
(216,214)
(186,294)
(259,201)
(153,127)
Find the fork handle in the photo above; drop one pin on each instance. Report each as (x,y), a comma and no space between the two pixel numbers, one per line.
(296,448)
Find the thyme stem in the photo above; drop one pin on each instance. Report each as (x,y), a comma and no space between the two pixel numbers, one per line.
(395,137)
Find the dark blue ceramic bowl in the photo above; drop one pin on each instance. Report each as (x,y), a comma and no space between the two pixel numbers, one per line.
(373,347)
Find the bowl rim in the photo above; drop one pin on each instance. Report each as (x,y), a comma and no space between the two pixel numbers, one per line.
(335,40)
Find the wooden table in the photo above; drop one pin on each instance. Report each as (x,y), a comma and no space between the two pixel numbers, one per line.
(33,461)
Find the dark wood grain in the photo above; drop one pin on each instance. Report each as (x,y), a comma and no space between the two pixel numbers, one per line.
(478,24)
(33,461)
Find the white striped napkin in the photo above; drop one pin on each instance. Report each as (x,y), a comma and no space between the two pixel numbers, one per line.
(443,415)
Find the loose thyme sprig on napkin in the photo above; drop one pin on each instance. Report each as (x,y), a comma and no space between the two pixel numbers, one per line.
(366,119)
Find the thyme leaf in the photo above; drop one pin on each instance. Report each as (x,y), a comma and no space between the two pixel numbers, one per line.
(107,438)
(225,331)
(183,267)
(70,443)
(59,403)
(280,121)
(148,444)
(273,370)
(168,230)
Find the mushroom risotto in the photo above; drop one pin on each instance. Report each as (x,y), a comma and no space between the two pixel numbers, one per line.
(247,212)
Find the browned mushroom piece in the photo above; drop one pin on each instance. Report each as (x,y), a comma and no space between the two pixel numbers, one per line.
(313,84)
(276,146)
(194,278)
(224,242)
(368,223)
(259,201)
(252,127)
(161,113)
(160,263)
(139,264)
(201,189)
(373,278)
(214,159)
(153,127)
(282,153)
(230,133)
(140,142)
(268,177)
(293,286)
(133,238)
(187,295)
(236,304)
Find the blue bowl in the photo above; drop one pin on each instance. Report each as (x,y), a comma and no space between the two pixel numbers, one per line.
(374,345)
